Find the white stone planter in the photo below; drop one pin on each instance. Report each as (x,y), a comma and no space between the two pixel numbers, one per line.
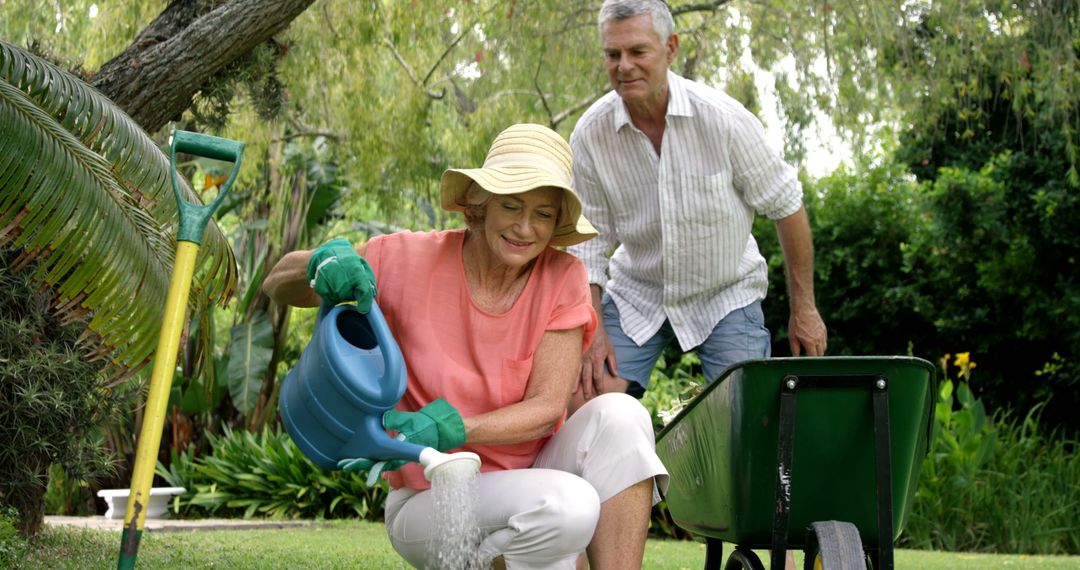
(158,508)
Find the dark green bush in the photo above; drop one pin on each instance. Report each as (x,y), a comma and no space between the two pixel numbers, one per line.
(12,545)
(982,259)
(70,497)
(994,484)
(995,261)
(52,399)
(994,265)
(247,474)
(862,222)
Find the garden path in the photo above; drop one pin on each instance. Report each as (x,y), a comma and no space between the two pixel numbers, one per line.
(168,524)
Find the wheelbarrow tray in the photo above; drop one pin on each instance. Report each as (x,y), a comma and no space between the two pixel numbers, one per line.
(721,449)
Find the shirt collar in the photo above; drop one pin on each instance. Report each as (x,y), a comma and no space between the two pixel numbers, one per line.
(678,102)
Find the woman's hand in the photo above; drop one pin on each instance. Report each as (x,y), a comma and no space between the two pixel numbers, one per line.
(438,425)
(338,274)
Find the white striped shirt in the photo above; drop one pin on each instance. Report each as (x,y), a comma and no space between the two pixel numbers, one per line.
(679,223)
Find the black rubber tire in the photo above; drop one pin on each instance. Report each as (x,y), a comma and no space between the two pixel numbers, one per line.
(837,543)
(743,560)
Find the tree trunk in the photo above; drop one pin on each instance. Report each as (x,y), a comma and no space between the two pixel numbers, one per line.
(157,76)
(29,498)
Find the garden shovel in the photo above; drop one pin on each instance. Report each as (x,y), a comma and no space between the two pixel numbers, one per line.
(193,221)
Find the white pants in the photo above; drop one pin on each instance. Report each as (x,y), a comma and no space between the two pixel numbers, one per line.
(544,517)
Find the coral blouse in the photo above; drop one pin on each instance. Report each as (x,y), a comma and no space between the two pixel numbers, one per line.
(475,360)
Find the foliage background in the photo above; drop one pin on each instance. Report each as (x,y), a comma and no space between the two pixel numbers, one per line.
(951,226)
(52,402)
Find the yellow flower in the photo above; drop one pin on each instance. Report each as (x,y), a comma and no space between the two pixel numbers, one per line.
(964,363)
(945,364)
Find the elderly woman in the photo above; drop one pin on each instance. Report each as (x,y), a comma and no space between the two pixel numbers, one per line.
(492,322)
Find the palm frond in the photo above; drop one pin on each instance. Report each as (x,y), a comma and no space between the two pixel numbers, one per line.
(87,193)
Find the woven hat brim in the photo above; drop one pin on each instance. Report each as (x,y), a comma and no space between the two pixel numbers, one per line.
(506,180)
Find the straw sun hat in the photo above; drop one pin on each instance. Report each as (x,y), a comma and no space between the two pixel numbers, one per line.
(522,158)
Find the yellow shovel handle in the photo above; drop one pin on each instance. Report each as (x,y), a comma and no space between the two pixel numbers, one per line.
(172,326)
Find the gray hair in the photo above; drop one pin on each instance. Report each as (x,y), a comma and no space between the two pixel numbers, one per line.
(476,199)
(618,10)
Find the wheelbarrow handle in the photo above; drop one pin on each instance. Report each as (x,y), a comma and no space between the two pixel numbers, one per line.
(194,218)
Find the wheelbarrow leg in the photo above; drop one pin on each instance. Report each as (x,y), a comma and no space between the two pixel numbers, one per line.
(714,553)
(784,452)
(883,472)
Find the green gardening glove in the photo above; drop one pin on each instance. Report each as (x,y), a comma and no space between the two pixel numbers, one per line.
(436,425)
(338,274)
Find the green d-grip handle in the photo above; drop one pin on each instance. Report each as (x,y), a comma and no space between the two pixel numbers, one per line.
(194,218)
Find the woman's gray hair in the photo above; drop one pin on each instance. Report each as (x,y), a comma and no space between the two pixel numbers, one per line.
(618,10)
(476,199)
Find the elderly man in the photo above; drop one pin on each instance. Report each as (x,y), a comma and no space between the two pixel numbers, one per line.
(671,173)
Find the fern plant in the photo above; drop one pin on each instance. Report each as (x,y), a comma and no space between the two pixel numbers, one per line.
(86,193)
(264,474)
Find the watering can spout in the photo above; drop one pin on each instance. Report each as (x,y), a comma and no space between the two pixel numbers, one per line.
(372,441)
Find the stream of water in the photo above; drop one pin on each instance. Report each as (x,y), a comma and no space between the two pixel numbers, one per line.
(457,534)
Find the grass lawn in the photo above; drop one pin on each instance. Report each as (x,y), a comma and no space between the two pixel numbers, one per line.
(363,545)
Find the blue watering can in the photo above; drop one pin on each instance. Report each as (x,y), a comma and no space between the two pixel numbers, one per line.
(351,373)
(332,402)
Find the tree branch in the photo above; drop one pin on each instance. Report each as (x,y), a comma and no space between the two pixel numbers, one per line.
(702,7)
(536,83)
(423,83)
(826,9)
(408,71)
(156,77)
(328,134)
(329,21)
(562,116)
(446,52)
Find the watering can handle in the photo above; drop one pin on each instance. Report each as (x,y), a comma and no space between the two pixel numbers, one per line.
(391,353)
(388,348)
(194,218)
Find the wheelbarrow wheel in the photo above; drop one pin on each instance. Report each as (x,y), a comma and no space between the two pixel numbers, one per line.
(834,545)
(743,559)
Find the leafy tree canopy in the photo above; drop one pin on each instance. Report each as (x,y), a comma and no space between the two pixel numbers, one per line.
(411,87)
(405,89)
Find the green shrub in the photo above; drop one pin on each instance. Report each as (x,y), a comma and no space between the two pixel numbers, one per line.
(12,545)
(247,474)
(996,258)
(52,400)
(67,496)
(994,484)
(862,221)
(984,256)
(675,380)
(993,263)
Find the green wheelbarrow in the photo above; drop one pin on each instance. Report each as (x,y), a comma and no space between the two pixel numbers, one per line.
(814,454)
